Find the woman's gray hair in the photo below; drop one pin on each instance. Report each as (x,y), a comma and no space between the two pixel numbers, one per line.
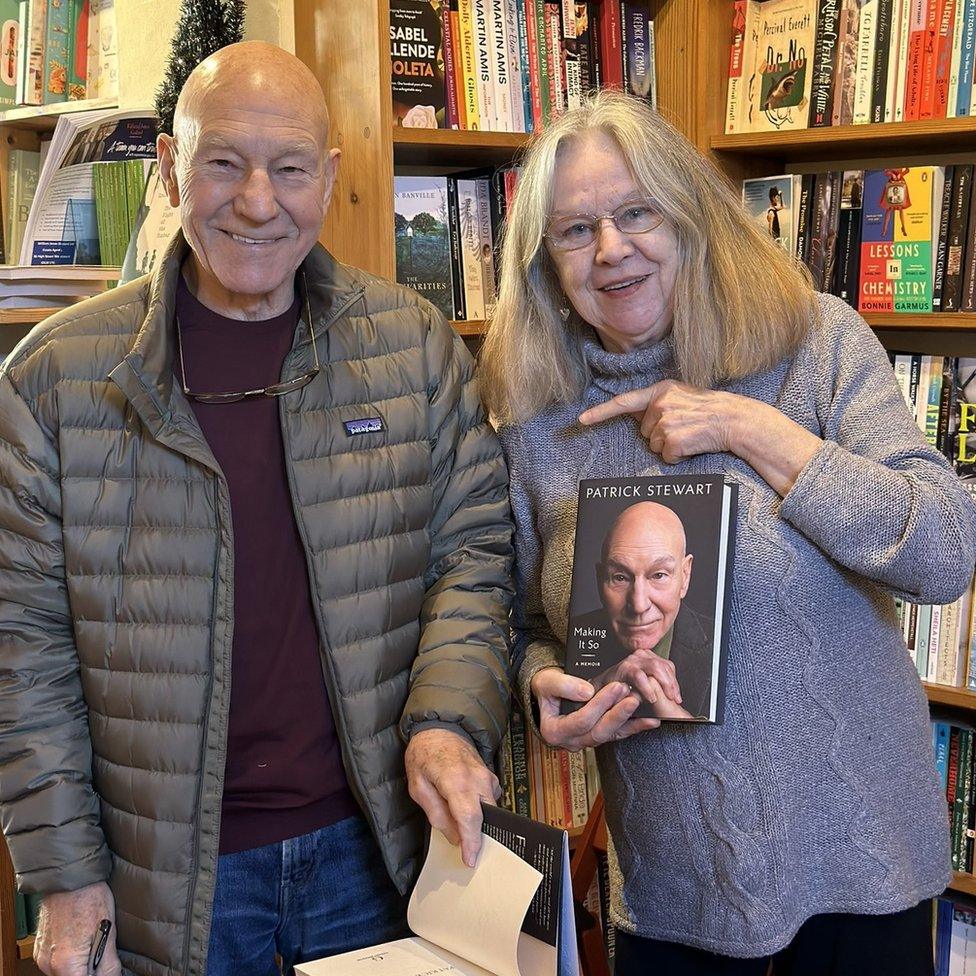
(740,302)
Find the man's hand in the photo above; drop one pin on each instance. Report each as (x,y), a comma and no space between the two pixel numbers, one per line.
(605,717)
(67,925)
(448,780)
(649,674)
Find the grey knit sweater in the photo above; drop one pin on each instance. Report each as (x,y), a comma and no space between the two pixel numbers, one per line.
(819,792)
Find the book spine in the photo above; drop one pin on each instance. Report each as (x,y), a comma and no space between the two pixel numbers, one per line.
(452,115)
(469,64)
(942,239)
(733,99)
(487,246)
(474,293)
(542,53)
(901,75)
(525,66)
(34,94)
(56,53)
(967,300)
(78,11)
(916,53)
(968,809)
(571,54)
(585,49)
(484,67)
(577,788)
(596,45)
(849,237)
(522,785)
(956,237)
(867,31)
(943,58)
(516,73)
(957,28)
(557,83)
(613,62)
(803,218)
(935,624)
(926,96)
(501,77)
(457,268)
(879,83)
(750,69)
(966,59)
(893,45)
(824,59)
(959,807)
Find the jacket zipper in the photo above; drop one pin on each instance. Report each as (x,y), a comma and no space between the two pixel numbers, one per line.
(195,863)
(328,672)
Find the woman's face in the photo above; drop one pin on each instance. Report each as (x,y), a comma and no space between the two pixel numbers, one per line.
(620,284)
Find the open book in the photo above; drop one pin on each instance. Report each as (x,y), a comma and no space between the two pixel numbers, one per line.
(511,915)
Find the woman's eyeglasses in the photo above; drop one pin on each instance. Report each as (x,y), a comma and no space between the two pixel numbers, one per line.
(273,389)
(580,230)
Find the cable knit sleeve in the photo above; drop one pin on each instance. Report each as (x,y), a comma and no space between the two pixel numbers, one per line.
(535,645)
(876,497)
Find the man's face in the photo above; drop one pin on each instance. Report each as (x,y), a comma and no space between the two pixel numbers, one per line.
(642,582)
(253,181)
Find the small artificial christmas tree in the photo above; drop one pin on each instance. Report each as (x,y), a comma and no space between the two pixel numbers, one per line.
(204,26)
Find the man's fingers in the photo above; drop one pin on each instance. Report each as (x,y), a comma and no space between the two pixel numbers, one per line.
(554,683)
(635,725)
(607,728)
(647,686)
(426,796)
(634,401)
(565,730)
(466,812)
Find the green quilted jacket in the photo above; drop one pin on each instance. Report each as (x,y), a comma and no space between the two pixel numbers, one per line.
(116,586)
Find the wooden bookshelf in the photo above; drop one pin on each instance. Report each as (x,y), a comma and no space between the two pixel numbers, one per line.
(929,136)
(965,883)
(474,328)
(451,147)
(935,322)
(25,316)
(43,118)
(947,695)
(25,948)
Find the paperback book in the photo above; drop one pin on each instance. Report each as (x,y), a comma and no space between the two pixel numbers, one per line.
(652,570)
(417,64)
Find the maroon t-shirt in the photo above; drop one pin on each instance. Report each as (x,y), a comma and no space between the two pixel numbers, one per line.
(284,774)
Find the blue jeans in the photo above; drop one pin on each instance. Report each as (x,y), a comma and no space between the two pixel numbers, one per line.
(303,898)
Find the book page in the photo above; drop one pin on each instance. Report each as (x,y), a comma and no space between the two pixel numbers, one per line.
(406,957)
(474,913)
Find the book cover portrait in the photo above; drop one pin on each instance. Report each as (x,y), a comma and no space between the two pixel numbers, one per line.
(651,567)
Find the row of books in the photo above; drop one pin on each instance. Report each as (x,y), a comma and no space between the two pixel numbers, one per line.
(512,65)
(799,63)
(941,393)
(445,228)
(57,50)
(551,785)
(901,239)
(955,935)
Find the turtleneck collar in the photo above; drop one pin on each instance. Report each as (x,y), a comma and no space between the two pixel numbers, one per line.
(621,371)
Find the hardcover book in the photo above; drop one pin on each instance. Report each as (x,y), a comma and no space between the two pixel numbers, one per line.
(417,64)
(423,250)
(652,568)
(510,915)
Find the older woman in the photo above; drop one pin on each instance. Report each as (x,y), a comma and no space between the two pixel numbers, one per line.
(645,326)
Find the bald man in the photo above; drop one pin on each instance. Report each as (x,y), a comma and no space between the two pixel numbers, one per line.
(658,647)
(255,551)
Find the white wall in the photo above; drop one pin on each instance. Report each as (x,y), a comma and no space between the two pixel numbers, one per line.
(146,27)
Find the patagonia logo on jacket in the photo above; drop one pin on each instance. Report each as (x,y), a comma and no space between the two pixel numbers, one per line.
(368,425)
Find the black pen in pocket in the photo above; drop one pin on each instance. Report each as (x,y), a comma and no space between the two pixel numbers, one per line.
(98,945)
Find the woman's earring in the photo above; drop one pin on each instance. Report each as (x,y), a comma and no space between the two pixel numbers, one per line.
(564,313)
